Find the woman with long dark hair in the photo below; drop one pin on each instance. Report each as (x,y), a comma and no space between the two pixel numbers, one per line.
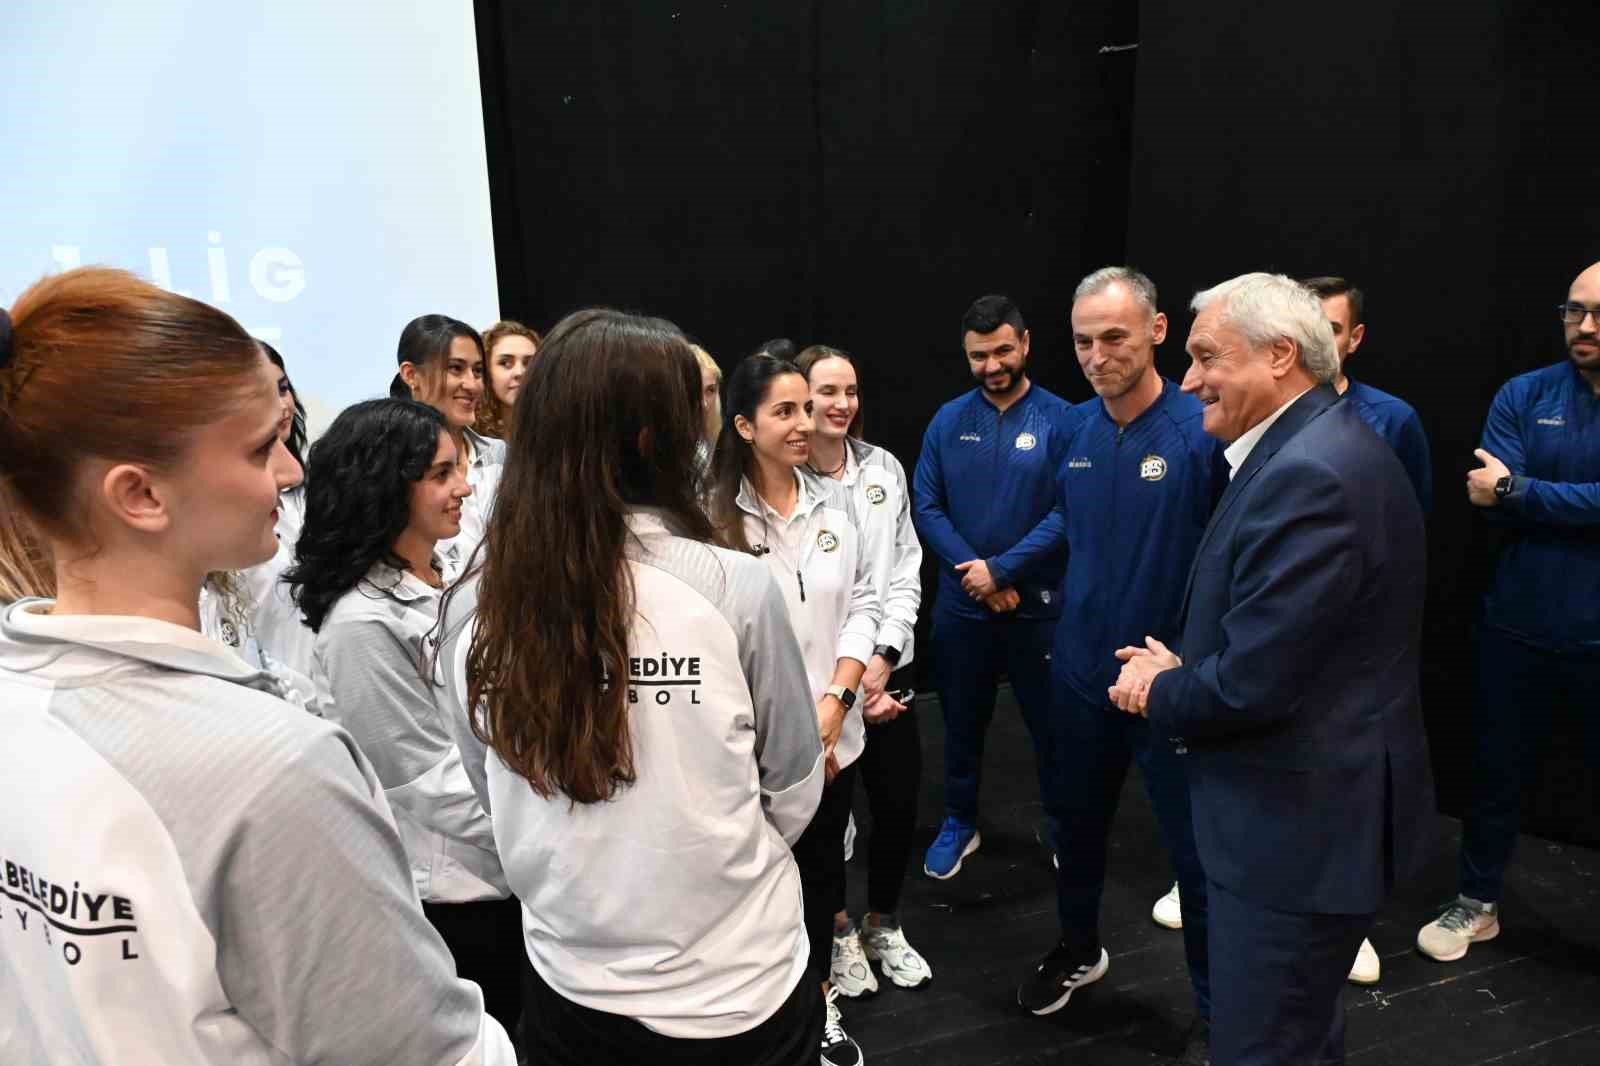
(383,490)
(891,763)
(273,619)
(631,704)
(236,884)
(442,365)
(808,531)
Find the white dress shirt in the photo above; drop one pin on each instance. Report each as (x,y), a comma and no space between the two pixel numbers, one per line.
(1237,452)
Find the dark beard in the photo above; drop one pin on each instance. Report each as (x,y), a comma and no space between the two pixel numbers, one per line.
(1011,383)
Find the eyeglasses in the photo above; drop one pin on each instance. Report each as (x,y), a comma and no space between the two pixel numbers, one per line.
(1572,314)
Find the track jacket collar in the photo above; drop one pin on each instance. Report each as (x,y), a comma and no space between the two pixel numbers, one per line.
(31,640)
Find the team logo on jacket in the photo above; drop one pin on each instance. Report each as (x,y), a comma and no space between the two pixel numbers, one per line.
(876,494)
(1152,468)
(1026,441)
(669,676)
(827,541)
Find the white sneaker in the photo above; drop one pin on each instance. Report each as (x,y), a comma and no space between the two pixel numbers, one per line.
(1168,910)
(1464,922)
(850,838)
(837,1047)
(900,962)
(1367,968)
(850,972)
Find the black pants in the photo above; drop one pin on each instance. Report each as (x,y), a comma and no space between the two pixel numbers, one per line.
(561,1033)
(819,853)
(1519,687)
(891,774)
(485,939)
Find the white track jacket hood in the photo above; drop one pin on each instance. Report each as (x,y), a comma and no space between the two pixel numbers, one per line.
(195,873)
(676,902)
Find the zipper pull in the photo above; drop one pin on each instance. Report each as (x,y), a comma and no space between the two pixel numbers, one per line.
(798,576)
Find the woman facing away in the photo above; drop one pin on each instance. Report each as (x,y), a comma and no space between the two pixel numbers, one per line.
(808,531)
(891,762)
(384,490)
(441,365)
(633,709)
(510,348)
(234,871)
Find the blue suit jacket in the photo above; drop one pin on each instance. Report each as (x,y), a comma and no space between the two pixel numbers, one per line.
(1298,695)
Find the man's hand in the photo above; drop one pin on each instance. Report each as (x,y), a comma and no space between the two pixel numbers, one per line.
(876,677)
(1480,482)
(976,578)
(1002,601)
(1140,666)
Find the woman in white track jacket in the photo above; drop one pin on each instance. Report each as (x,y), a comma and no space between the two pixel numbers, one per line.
(633,709)
(195,873)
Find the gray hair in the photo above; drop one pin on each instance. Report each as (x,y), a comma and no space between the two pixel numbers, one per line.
(1143,289)
(1267,308)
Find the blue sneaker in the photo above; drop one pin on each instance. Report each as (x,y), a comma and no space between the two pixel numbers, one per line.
(956,840)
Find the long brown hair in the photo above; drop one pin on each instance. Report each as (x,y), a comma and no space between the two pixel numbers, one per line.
(102,365)
(494,417)
(610,417)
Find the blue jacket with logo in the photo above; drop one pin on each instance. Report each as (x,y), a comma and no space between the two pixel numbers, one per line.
(985,488)
(1545,426)
(1136,499)
(1396,422)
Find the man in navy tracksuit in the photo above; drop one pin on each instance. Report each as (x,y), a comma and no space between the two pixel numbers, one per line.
(1389,416)
(1136,490)
(1538,640)
(984,499)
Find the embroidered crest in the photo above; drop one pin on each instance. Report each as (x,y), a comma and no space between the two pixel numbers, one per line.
(1152,468)
(230,633)
(827,541)
(876,494)
(1026,441)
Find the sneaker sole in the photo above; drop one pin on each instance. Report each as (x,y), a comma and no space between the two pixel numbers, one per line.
(1166,923)
(1363,979)
(972,846)
(1100,970)
(1478,938)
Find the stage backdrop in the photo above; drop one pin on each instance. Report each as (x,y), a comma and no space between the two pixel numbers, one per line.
(855,173)
(316,170)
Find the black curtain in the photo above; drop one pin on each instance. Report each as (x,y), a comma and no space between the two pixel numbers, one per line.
(856,173)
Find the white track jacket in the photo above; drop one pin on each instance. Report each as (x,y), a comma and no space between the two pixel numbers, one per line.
(895,554)
(195,873)
(677,902)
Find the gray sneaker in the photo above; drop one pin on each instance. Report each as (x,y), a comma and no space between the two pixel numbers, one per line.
(1464,922)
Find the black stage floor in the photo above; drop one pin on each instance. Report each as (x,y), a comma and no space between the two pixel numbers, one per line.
(1532,996)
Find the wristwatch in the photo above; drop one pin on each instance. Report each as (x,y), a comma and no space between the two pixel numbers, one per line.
(1502,488)
(846,696)
(890,653)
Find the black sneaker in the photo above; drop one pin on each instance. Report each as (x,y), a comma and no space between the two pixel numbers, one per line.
(837,1047)
(1061,973)
(1197,1045)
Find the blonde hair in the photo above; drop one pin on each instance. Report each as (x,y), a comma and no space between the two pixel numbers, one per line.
(713,419)
(494,419)
(25,566)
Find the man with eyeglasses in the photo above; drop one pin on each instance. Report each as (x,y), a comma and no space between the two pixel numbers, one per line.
(1539,638)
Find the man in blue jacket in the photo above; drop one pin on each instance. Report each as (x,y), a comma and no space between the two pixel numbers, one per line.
(1298,692)
(1137,489)
(1538,640)
(984,500)
(1389,416)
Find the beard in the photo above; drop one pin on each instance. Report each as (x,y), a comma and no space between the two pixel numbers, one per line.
(1007,382)
(1586,358)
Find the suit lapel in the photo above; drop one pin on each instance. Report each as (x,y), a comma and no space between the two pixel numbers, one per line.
(1292,421)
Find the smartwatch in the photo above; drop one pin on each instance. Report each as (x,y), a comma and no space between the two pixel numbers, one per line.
(844,695)
(1502,488)
(890,653)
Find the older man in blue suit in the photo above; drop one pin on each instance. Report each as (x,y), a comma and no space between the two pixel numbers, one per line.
(1296,696)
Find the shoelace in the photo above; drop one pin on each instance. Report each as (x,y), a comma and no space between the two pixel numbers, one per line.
(1457,917)
(833,1028)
